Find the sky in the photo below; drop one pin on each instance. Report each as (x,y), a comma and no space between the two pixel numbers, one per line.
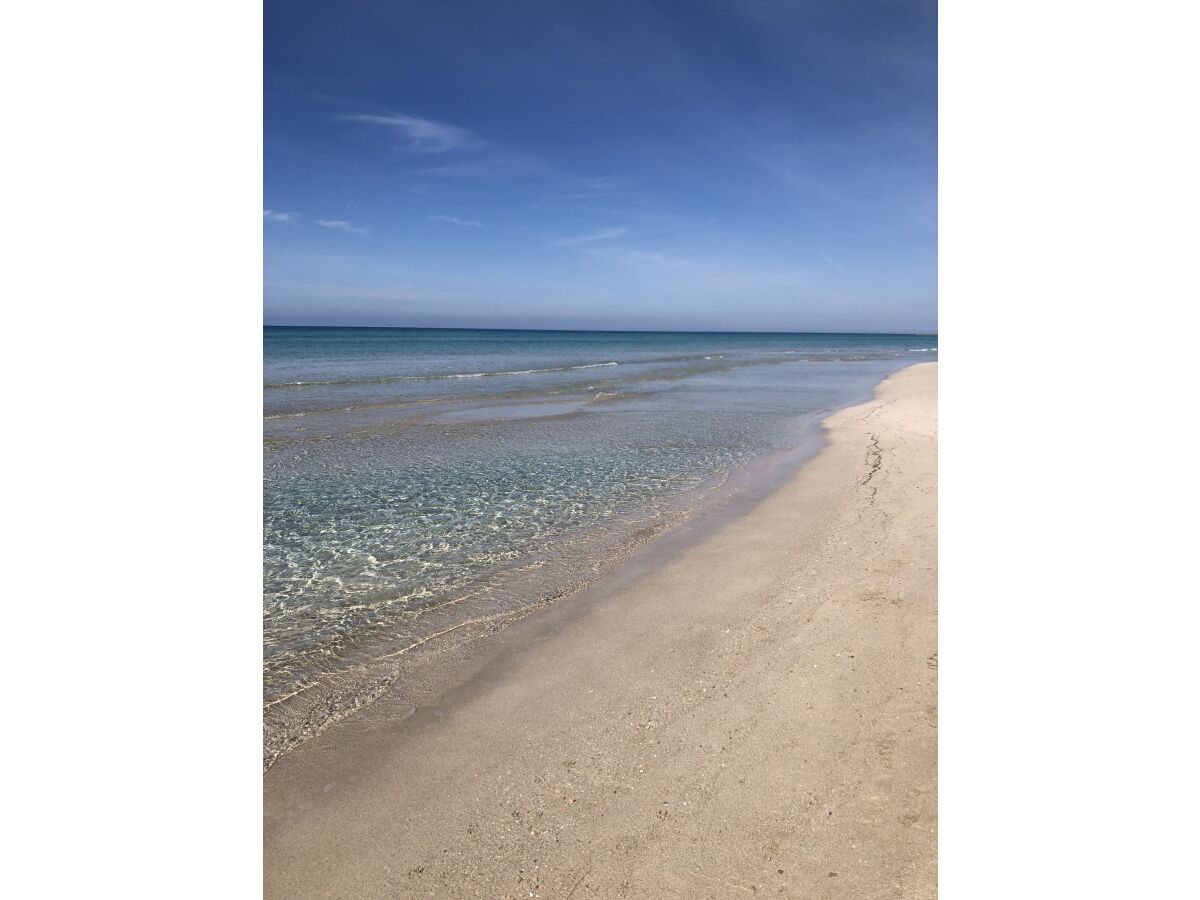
(753,165)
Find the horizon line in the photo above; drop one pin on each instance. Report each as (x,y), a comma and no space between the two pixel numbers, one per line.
(604,330)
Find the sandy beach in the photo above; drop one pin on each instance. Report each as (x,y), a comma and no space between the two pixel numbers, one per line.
(750,713)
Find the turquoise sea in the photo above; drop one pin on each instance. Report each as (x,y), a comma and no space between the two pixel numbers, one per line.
(419,478)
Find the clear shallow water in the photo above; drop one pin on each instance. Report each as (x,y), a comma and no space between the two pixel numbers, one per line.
(416,479)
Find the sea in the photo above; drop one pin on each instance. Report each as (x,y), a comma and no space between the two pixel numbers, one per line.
(416,480)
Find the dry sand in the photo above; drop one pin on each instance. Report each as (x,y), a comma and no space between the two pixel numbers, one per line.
(754,714)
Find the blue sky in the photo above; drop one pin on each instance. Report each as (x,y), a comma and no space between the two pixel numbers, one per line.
(742,164)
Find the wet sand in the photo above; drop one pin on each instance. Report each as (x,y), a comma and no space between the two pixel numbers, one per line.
(754,714)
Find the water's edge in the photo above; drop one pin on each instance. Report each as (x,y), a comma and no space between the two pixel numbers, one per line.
(292,720)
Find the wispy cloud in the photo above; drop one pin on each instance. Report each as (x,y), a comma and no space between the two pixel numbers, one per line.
(477,157)
(833,262)
(422,135)
(606,234)
(656,258)
(339,225)
(602,183)
(592,188)
(505,164)
(455,220)
(288,217)
(708,273)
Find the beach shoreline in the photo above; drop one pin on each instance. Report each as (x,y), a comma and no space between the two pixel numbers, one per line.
(754,711)
(391,656)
